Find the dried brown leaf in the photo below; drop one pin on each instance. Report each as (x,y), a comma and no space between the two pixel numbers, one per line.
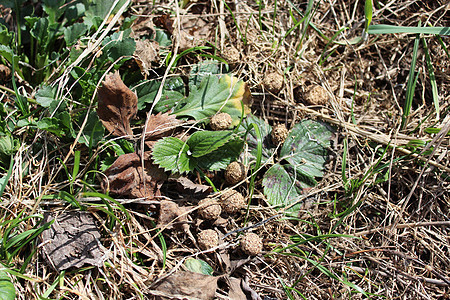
(161,125)
(126,177)
(117,104)
(195,32)
(172,215)
(146,52)
(186,186)
(72,241)
(236,292)
(188,284)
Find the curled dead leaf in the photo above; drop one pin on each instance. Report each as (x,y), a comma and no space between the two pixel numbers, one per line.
(117,104)
(72,241)
(146,52)
(186,186)
(161,125)
(187,284)
(172,215)
(126,177)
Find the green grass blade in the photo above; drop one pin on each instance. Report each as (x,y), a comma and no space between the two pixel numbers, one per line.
(386,29)
(335,277)
(411,85)
(368,11)
(430,70)
(4,180)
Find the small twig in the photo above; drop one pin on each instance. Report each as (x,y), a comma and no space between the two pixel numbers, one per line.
(401,226)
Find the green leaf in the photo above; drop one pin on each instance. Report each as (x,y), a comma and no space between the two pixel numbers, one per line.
(7,290)
(302,158)
(222,157)
(8,146)
(198,266)
(40,31)
(224,93)
(7,54)
(280,189)
(118,45)
(54,9)
(162,38)
(74,32)
(172,155)
(74,12)
(93,131)
(172,93)
(6,37)
(52,125)
(204,142)
(98,10)
(206,68)
(268,148)
(45,96)
(306,148)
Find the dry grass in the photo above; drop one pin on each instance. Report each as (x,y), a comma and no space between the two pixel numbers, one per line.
(398,218)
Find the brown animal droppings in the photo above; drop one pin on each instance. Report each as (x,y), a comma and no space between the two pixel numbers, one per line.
(209,209)
(231,55)
(234,173)
(232,201)
(117,104)
(221,121)
(316,95)
(251,244)
(208,239)
(279,134)
(273,82)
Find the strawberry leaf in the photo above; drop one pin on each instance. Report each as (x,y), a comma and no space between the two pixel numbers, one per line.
(172,154)
(204,142)
(224,93)
(306,148)
(302,159)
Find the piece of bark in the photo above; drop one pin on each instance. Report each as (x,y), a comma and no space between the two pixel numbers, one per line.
(117,104)
(72,241)
(126,177)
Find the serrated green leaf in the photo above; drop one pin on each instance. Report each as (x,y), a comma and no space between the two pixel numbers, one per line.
(280,188)
(172,154)
(306,148)
(198,266)
(74,32)
(204,142)
(222,157)
(206,68)
(45,96)
(7,290)
(224,93)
